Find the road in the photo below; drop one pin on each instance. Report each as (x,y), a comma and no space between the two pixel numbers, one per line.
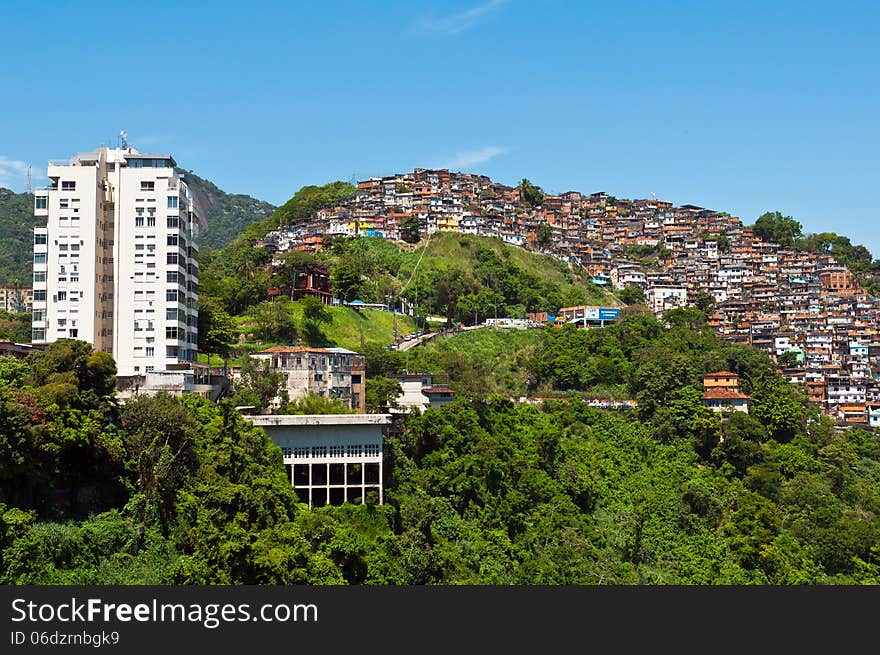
(412,343)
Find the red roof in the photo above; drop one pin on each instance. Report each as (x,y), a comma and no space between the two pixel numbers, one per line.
(427,390)
(719,393)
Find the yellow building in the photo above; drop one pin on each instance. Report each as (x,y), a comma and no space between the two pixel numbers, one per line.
(16,300)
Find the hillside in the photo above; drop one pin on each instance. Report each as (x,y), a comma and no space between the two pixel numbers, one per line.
(223,215)
(464,277)
(283,323)
(16,225)
(482,491)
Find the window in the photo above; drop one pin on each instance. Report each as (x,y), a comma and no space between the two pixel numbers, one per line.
(171,276)
(74,333)
(68,185)
(172,202)
(148,186)
(171,314)
(39,258)
(172,240)
(150,351)
(170,259)
(170,332)
(139,221)
(40,276)
(39,314)
(38,334)
(173,221)
(151,221)
(171,295)
(40,239)
(40,294)
(41,202)
(62,295)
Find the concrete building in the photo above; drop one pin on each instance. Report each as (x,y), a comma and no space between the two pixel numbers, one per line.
(329,372)
(115,261)
(330,458)
(589,315)
(16,299)
(662,297)
(420,390)
(721,391)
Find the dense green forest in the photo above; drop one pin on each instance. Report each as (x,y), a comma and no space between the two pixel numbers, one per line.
(17,237)
(224,214)
(15,327)
(484,490)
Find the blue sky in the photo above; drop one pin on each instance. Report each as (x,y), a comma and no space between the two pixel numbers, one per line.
(742,107)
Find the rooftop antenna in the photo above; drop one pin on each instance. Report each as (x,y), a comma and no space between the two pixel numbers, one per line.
(123,135)
(28,188)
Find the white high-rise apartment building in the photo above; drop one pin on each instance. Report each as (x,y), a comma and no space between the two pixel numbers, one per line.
(115,264)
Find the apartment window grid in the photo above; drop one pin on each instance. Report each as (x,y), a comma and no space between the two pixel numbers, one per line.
(319,481)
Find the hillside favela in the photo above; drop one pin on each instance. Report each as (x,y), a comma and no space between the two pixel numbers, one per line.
(486,373)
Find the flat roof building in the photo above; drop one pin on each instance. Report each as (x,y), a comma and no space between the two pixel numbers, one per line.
(330,458)
(115,261)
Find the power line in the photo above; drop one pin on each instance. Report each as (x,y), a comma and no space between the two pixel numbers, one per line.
(417,263)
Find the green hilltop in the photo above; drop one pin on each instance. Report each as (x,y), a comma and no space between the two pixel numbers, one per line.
(16,235)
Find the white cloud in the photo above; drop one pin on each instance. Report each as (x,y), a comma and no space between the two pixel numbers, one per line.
(475,156)
(14,173)
(457,23)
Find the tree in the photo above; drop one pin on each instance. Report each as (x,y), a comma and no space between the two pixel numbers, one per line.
(216,329)
(529,193)
(705,302)
(382,393)
(274,321)
(544,234)
(314,314)
(92,370)
(631,296)
(409,229)
(292,264)
(159,436)
(314,310)
(347,279)
(773,226)
(312,403)
(780,407)
(259,384)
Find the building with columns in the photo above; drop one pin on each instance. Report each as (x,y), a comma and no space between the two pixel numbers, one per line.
(329,458)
